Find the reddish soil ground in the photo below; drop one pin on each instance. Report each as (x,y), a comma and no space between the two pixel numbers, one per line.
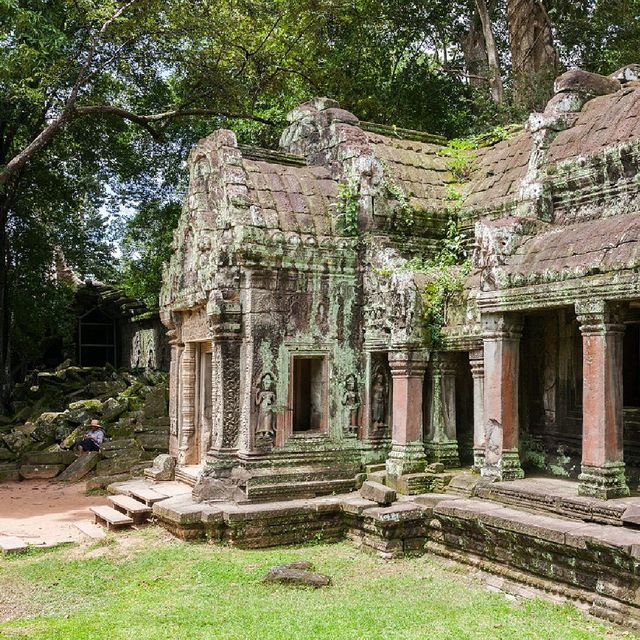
(42,512)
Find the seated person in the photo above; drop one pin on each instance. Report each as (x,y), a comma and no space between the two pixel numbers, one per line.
(92,439)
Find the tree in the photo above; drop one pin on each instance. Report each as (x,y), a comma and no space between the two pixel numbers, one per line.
(534,59)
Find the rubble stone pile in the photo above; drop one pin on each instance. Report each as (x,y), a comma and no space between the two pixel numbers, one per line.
(53,408)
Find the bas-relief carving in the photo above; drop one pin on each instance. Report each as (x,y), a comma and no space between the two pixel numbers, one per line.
(230,352)
(265,401)
(195,326)
(379,399)
(351,401)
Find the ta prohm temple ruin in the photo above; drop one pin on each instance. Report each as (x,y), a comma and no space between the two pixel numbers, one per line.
(371,302)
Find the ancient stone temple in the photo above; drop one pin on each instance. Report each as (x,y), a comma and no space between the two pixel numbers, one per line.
(302,338)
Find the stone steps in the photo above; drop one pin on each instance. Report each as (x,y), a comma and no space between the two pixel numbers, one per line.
(110,518)
(137,511)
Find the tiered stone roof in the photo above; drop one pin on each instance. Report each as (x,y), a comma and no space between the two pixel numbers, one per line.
(300,199)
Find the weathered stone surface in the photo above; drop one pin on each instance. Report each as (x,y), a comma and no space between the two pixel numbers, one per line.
(155,403)
(629,73)
(377,492)
(6,454)
(591,84)
(292,575)
(163,468)
(40,471)
(119,463)
(80,468)
(112,408)
(50,457)
(9,471)
(102,482)
(153,441)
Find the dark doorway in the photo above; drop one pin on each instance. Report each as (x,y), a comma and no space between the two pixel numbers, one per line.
(309,397)
(96,339)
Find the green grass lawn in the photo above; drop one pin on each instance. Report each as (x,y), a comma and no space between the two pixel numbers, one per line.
(143,585)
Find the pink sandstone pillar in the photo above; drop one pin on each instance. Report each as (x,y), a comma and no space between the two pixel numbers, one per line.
(476,360)
(407,449)
(602,473)
(501,336)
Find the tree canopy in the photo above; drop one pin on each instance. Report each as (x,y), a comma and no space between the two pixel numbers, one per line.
(100,101)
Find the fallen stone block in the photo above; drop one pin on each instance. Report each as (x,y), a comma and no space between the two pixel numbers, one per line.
(8,472)
(40,471)
(377,492)
(102,482)
(163,468)
(157,441)
(50,457)
(80,468)
(289,574)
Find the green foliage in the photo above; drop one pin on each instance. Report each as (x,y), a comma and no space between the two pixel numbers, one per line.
(401,220)
(445,273)
(146,247)
(348,208)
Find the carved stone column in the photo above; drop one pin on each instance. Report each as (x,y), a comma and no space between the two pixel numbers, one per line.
(442,443)
(187,403)
(476,360)
(501,337)
(407,449)
(602,401)
(225,325)
(174,390)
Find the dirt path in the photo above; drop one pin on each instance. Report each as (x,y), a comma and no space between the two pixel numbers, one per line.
(42,512)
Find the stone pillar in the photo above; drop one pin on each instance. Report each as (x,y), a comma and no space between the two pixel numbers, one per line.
(225,323)
(187,403)
(602,331)
(174,391)
(407,449)
(442,443)
(501,336)
(476,360)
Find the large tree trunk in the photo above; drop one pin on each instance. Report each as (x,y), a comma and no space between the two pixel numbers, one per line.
(533,54)
(5,308)
(495,80)
(475,52)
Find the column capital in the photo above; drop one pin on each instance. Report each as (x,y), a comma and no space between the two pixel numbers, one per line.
(476,361)
(501,326)
(407,363)
(600,316)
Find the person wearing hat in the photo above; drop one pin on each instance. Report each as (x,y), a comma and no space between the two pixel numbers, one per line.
(92,439)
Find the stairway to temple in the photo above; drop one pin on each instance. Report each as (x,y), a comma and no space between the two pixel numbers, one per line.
(132,502)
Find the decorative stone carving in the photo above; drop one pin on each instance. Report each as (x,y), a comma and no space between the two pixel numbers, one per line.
(379,395)
(266,417)
(351,400)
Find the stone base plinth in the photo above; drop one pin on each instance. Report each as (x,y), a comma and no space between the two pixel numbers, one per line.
(508,467)
(444,452)
(478,460)
(603,482)
(406,458)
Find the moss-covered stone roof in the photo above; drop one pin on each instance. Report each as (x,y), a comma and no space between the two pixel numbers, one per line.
(293,198)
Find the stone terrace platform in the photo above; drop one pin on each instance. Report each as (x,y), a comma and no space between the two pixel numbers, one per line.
(554,496)
(566,552)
